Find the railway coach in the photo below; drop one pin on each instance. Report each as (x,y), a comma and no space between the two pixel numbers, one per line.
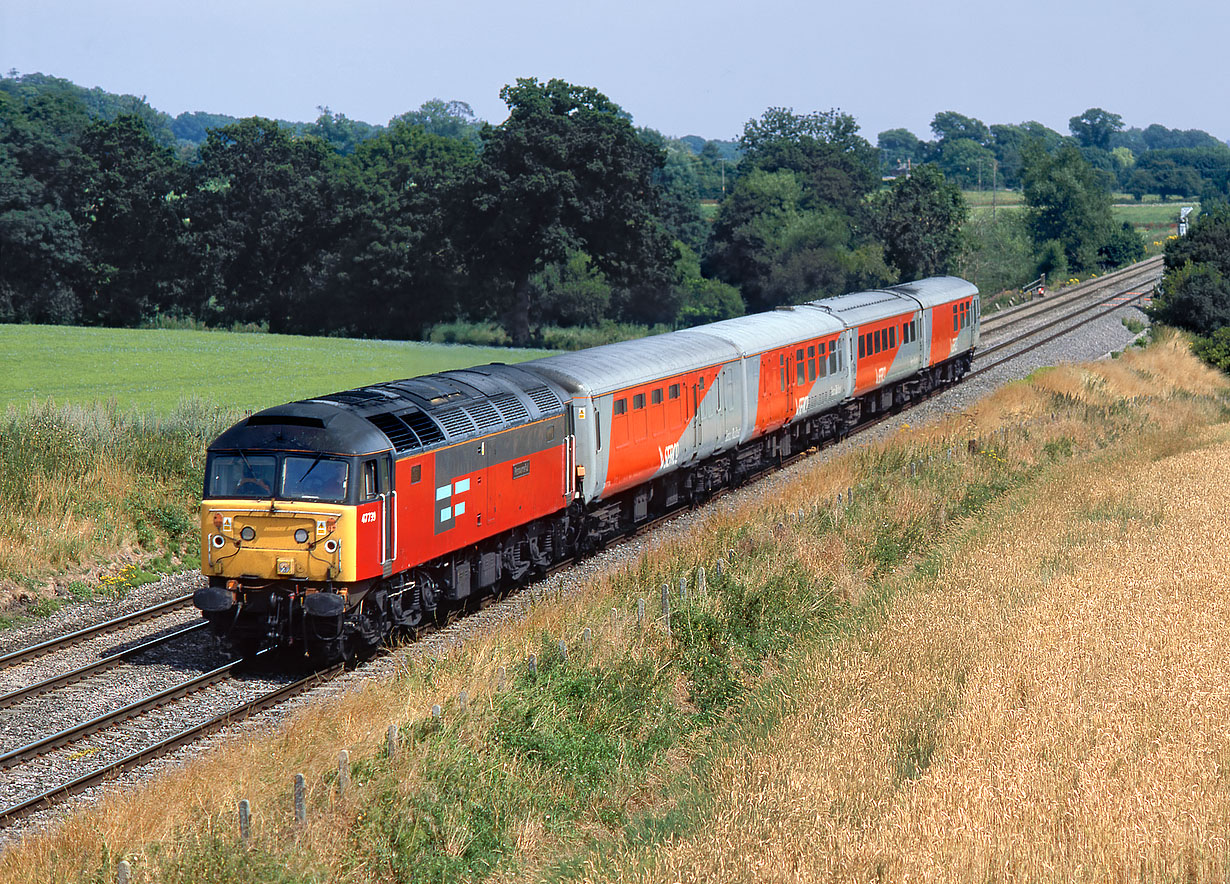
(330,522)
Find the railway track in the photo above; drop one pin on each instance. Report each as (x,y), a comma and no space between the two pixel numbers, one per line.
(67,640)
(1063,324)
(1149,269)
(184,737)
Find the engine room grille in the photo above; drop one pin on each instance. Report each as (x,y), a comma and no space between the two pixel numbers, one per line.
(512,408)
(484,415)
(455,422)
(402,437)
(424,427)
(545,399)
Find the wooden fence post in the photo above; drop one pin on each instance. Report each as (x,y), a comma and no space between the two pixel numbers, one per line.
(343,773)
(245,820)
(300,799)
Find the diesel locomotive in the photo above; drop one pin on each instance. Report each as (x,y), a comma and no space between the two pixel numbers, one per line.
(329,523)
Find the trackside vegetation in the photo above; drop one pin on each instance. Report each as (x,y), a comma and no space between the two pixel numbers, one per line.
(834,695)
(90,484)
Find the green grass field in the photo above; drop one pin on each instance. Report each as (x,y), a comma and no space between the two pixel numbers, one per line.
(154,370)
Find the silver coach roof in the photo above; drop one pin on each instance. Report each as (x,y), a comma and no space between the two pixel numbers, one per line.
(937,290)
(610,367)
(777,328)
(857,308)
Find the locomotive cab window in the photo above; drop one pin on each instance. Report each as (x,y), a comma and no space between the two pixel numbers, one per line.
(370,488)
(238,475)
(314,478)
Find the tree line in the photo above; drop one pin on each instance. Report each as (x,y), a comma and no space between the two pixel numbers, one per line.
(564,214)
(1153,160)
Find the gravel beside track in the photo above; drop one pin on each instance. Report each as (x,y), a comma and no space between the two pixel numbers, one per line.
(180,660)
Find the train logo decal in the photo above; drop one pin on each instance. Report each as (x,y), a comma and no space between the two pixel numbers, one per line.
(881,372)
(669,456)
(455,506)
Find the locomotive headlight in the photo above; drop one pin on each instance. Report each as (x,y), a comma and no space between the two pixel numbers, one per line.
(248,533)
(301,535)
(217,541)
(330,546)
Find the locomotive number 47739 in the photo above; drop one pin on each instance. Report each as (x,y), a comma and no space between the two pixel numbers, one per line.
(368,517)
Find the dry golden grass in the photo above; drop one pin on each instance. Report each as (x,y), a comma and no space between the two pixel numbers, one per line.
(1050,705)
(1053,707)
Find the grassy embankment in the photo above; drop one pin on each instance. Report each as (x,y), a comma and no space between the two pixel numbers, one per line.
(103,433)
(1007,665)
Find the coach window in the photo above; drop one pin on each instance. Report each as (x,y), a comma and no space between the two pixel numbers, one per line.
(820,369)
(892,336)
(875,341)
(621,405)
(862,346)
(833,358)
(811,363)
(800,367)
(781,370)
(638,401)
(673,392)
(701,383)
(656,396)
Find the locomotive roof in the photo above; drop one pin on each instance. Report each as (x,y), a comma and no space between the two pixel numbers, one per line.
(611,367)
(778,328)
(406,415)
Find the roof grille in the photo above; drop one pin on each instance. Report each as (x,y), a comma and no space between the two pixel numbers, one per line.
(455,422)
(545,399)
(402,437)
(511,408)
(424,427)
(352,397)
(484,415)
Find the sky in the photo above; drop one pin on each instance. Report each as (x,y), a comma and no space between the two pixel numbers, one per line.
(683,68)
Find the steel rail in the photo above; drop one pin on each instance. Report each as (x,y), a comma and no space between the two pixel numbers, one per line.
(100,665)
(185,737)
(130,710)
(1065,296)
(80,635)
(1047,339)
(1095,297)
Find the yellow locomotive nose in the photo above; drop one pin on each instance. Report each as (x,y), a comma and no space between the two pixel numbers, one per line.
(292,542)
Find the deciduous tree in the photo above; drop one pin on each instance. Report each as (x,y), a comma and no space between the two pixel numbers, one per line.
(565,172)
(919,221)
